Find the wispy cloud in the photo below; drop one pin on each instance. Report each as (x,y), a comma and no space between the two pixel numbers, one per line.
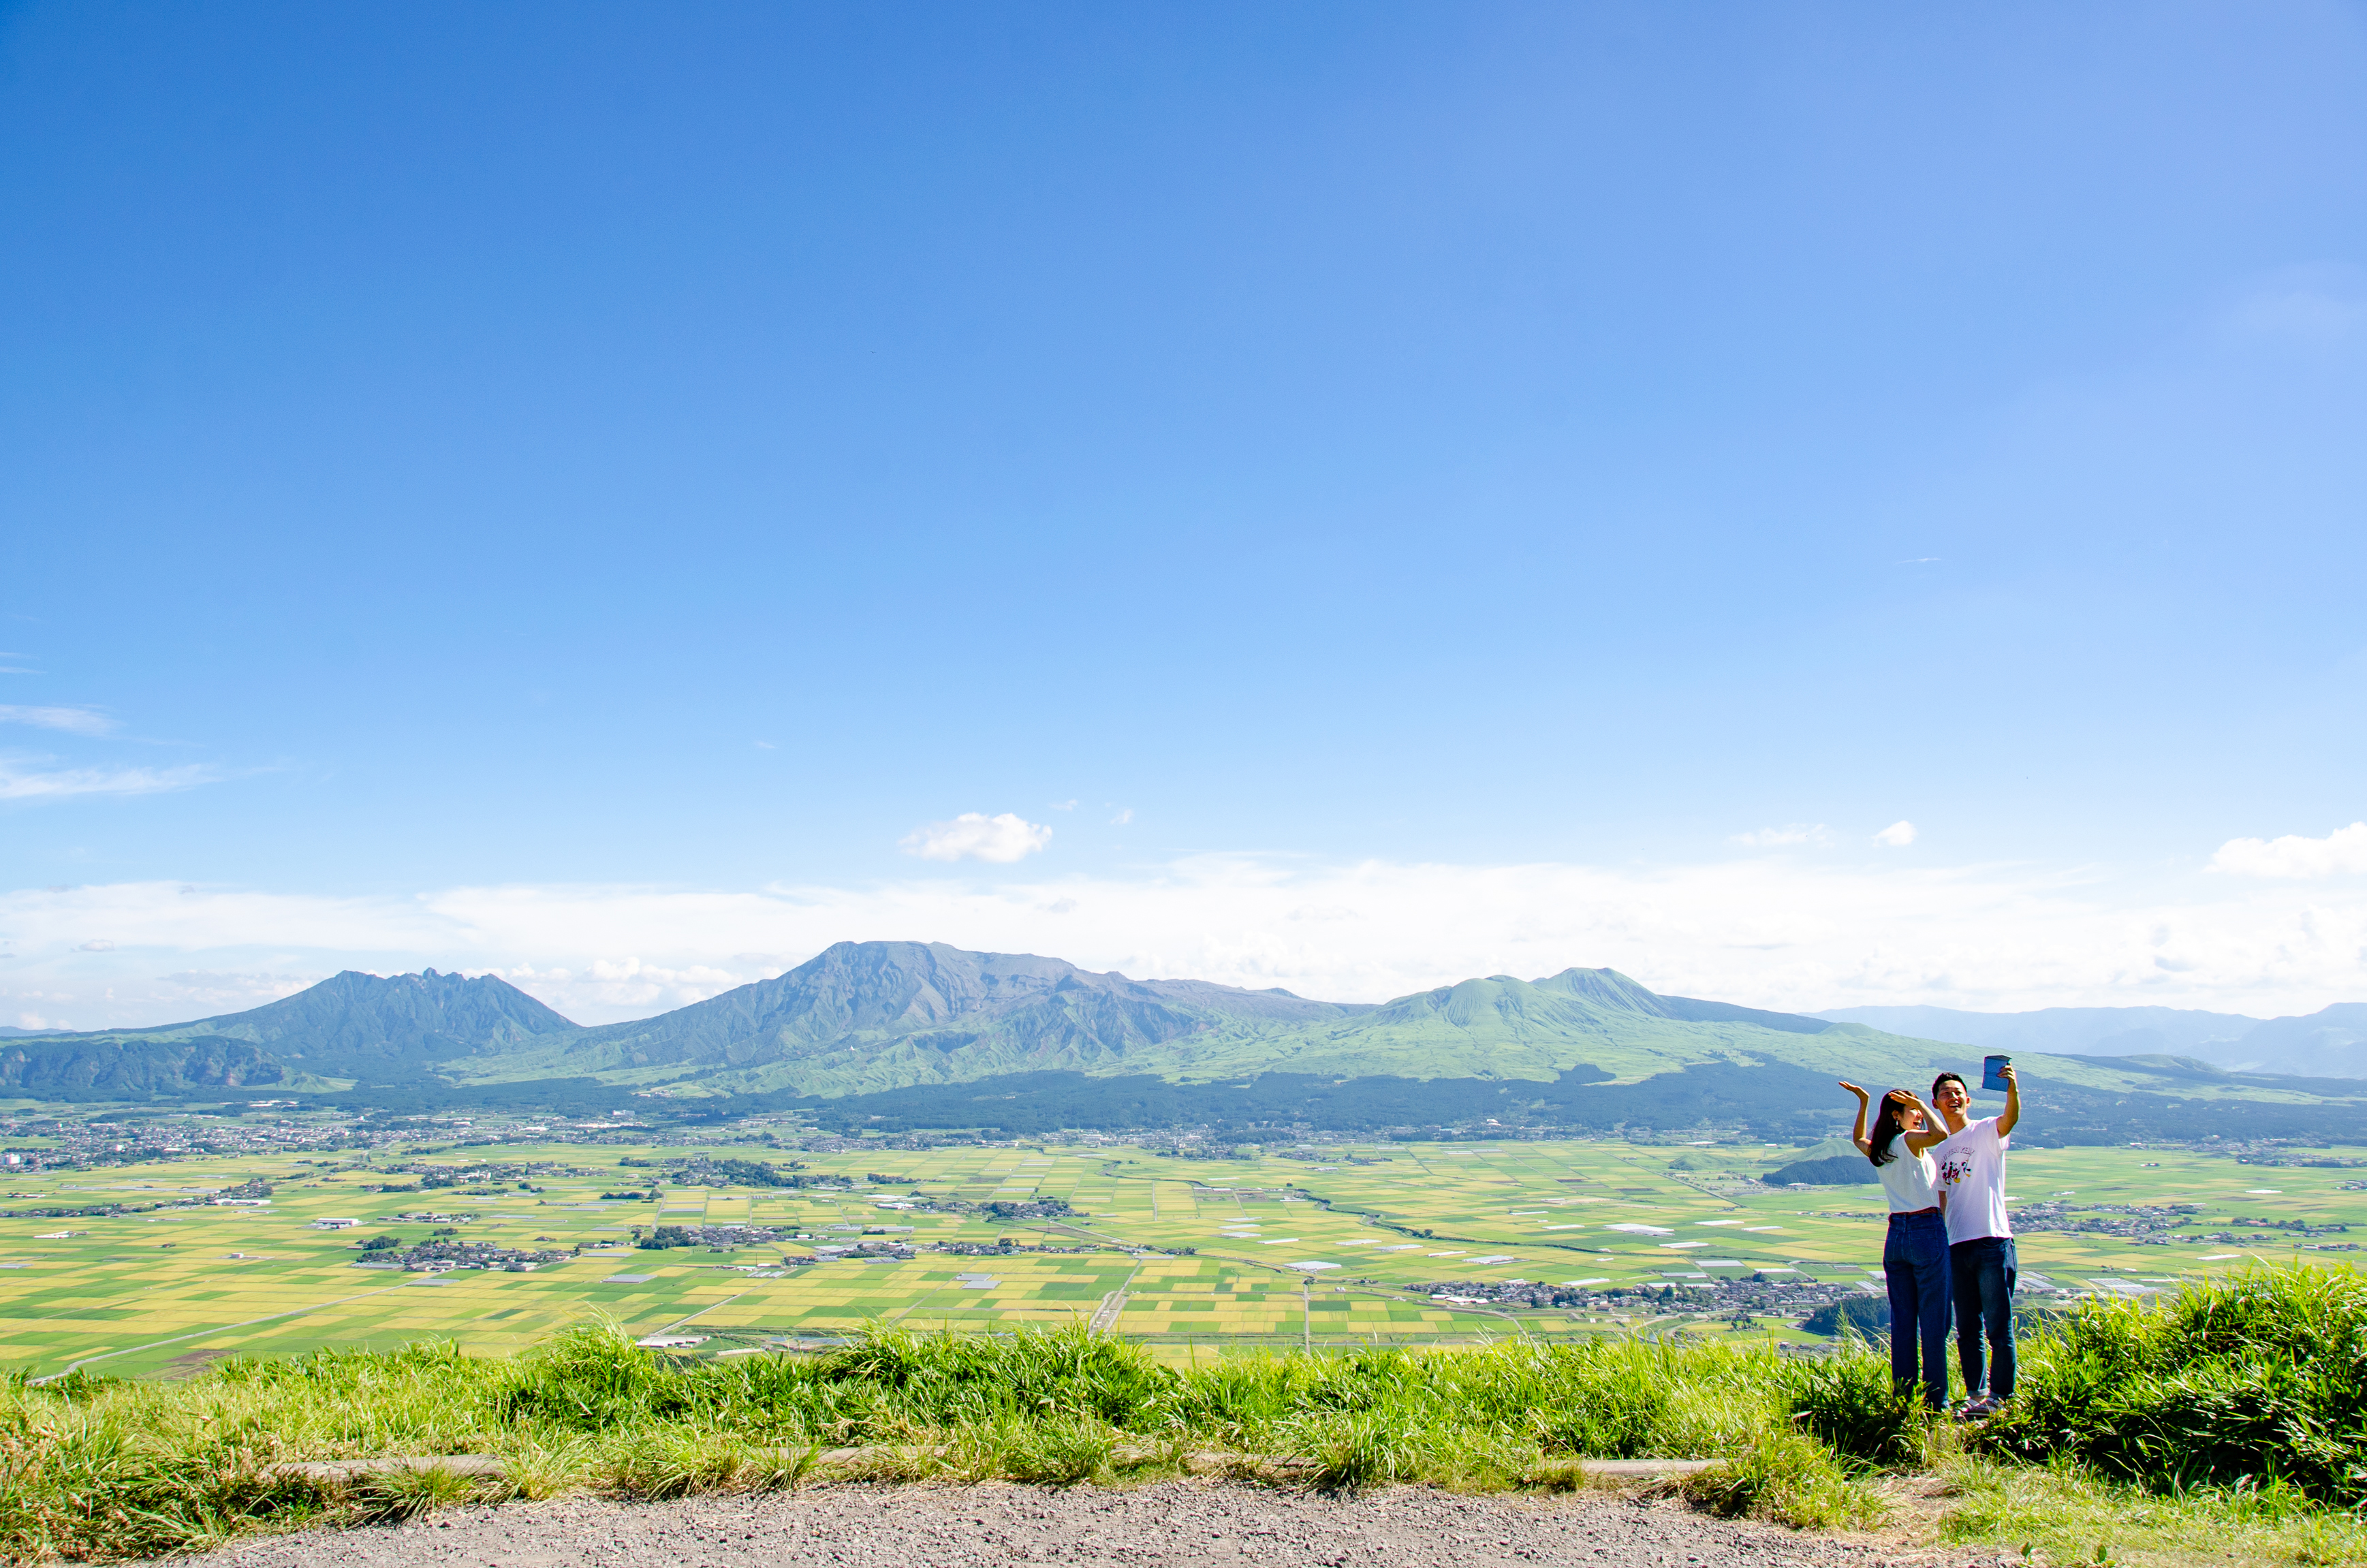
(973,835)
(18,782)
(73,721)
(2341,852)
(1773,931)
(626,986)
(1064,805)
(2312,305)
(1897,836)
(1124,816)
(1777,837)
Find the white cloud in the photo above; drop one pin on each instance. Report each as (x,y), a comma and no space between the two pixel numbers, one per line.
(1124,816)
(1776,837)
(1762,930)
(2342,851)
(202,992)
(18,783)
(2313,305)
(608,988)
(74,721)
(95,945)
(973,835)
(1064,805)
(1897,836)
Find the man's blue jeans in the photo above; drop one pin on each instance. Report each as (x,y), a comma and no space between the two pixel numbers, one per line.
(1915,1265)
(1985,1269)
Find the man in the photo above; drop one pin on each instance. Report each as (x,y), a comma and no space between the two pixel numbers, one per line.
(1981,1262)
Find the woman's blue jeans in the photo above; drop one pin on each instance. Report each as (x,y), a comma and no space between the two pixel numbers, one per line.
(1915,1264)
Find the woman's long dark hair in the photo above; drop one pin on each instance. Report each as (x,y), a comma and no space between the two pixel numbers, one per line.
(1886,1128)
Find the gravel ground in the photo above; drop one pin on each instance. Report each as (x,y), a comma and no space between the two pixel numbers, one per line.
(1172,1524)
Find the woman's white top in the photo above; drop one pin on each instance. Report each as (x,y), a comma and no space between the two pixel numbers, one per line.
(1911,1180)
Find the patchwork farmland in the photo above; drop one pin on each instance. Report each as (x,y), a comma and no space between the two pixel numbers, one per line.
(1401,1243)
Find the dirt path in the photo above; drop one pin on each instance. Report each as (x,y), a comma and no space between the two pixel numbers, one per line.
(1171,1525)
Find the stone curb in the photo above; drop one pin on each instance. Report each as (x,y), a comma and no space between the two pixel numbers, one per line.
(343,1472)
(340,1471)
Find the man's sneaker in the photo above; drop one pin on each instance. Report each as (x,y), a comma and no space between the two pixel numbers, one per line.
(1980,1409)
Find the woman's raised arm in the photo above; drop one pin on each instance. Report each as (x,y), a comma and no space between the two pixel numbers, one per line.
(1857,1133)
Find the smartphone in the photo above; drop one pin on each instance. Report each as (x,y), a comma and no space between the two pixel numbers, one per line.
(1993,1072)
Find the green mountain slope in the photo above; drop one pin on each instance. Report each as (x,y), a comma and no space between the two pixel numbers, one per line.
(101,1068)
(354,1027)
(1504,1028)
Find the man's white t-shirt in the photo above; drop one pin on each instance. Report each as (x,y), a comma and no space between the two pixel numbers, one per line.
(1972,1178)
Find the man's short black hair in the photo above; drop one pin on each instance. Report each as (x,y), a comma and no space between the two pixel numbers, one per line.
(1957,1077)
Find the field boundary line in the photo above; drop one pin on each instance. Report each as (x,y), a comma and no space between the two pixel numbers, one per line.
(703,1312)
(73,1367)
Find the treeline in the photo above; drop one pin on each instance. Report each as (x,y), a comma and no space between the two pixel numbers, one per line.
(540,1096)
(1772,1100)
(1784,1101)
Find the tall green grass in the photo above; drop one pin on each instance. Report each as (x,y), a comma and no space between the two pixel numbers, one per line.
(2256,1382)
(2253,1383)
(93,1468)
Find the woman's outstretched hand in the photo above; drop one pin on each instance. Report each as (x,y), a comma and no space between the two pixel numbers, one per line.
(1852,1088)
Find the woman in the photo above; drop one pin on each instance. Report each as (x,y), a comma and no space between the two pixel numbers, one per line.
(1915,1254)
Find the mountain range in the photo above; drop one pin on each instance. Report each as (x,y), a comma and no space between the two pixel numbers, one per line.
(2329,1043)
(904,1032)
(352,1028)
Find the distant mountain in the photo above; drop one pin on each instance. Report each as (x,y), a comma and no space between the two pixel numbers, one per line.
(2095,1031)
(2325,1044)
(876,1015)
(2328,1043)
(354,1027)
(9,1031)
(869,1017)
(1504,1028)
(77,1067)
(881,1035)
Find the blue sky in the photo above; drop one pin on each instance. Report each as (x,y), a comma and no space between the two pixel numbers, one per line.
(620,455)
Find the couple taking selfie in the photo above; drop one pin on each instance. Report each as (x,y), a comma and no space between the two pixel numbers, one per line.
(1950,1246)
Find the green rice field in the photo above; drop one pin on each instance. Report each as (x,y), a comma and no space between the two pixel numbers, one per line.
(1190,1257)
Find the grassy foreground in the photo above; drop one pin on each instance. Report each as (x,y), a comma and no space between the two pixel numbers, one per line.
(2234,1414)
